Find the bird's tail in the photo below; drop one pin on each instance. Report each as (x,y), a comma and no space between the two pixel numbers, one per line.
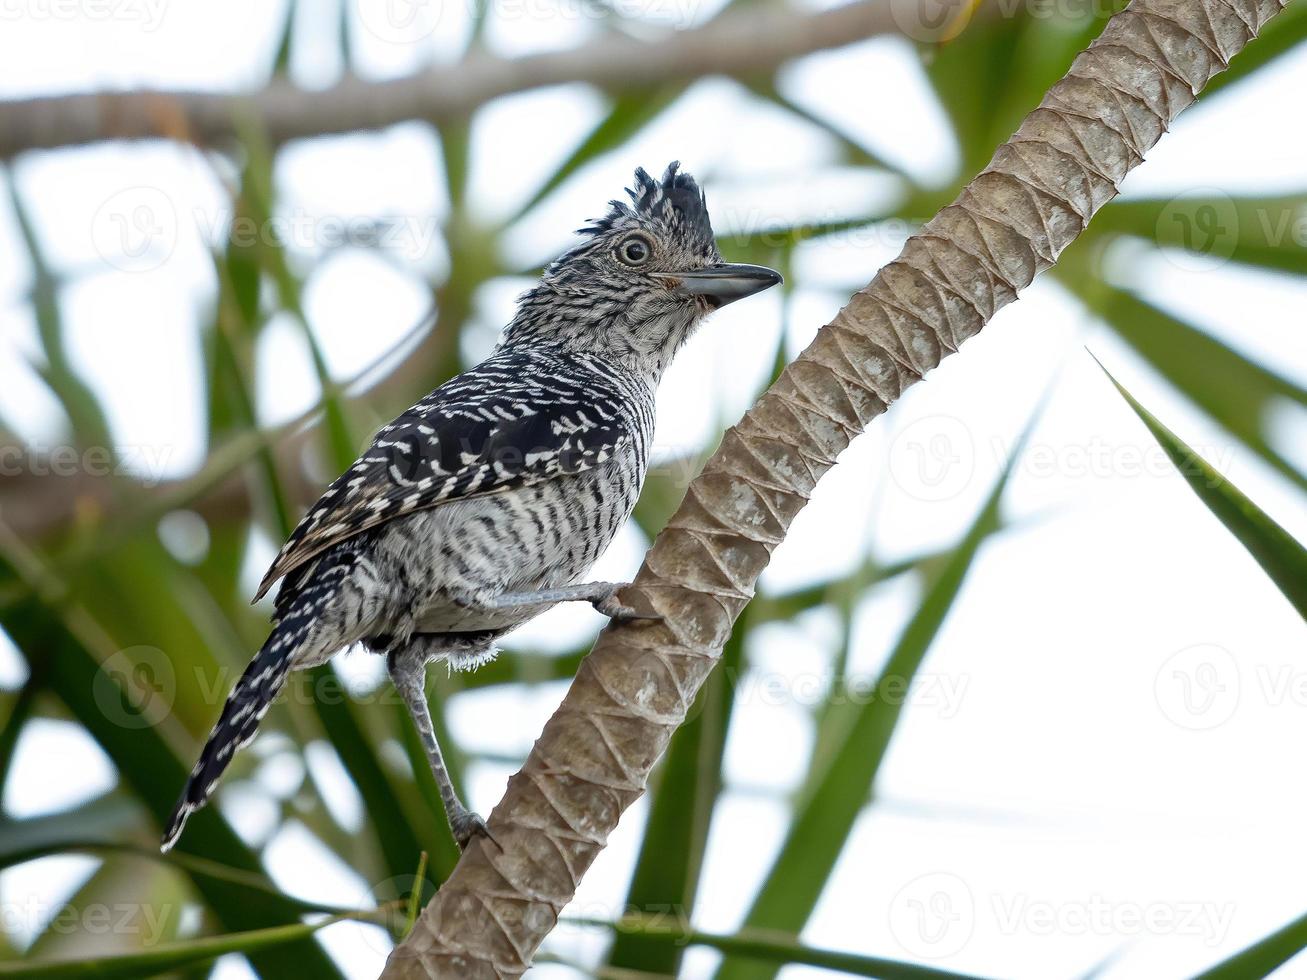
(246,705)
(297,638)
(249,701)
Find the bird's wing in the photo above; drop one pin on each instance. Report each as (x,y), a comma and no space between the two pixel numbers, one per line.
(506,424)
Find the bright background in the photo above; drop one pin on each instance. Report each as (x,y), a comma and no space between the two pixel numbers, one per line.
(1099,759)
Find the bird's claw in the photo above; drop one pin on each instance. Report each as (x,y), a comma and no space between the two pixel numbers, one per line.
(468,825)
(611,607)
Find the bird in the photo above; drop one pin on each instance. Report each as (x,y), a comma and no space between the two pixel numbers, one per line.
(487,502)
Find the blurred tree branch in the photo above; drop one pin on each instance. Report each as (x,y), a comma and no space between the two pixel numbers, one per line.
(742,43)
(1007,225)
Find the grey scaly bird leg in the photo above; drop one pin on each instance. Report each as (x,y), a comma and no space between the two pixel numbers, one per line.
(408,670)
(601,595)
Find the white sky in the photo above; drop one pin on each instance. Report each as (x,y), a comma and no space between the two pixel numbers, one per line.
(1049,783)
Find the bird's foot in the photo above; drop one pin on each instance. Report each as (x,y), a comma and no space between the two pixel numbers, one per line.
(466,826)
(610,606)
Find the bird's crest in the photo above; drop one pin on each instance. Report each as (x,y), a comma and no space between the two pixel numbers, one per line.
(676,202)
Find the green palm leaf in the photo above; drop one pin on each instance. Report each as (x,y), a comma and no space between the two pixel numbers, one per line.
(1282,558)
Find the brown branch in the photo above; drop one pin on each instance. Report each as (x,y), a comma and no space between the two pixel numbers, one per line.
(734,44)
(1008,225)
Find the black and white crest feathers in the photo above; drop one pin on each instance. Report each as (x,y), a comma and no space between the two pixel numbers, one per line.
(676,204)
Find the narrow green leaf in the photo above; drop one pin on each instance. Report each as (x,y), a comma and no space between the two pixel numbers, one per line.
(258,200)
(19,713)
(628,114)
(189,864)
(1264,957)
(1047,47)
(839,786)
(1282,558)
(86,417)
(1236,392)
(103,818)
(1265,232)
(232,345)
(766,244)
(773,949)
(970,74)
(415,897)
(281,61)
(175,956)
(851,149)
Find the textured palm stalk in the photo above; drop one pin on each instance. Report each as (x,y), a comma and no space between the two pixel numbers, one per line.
(1008,225)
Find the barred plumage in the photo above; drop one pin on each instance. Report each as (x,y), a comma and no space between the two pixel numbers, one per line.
(519,417)
(487,501)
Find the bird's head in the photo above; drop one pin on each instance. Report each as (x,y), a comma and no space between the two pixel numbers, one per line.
(640,280)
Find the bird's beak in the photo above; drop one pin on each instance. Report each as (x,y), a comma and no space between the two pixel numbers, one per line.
(725,283)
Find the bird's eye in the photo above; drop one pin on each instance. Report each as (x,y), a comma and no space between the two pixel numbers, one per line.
(634,251)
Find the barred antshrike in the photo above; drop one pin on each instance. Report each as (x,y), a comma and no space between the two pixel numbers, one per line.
(482,505)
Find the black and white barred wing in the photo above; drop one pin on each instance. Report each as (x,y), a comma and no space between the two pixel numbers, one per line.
(460,442)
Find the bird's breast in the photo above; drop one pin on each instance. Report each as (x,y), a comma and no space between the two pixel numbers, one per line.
(535,537)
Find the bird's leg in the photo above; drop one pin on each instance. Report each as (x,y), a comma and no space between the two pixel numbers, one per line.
(408,670)
(601,595)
